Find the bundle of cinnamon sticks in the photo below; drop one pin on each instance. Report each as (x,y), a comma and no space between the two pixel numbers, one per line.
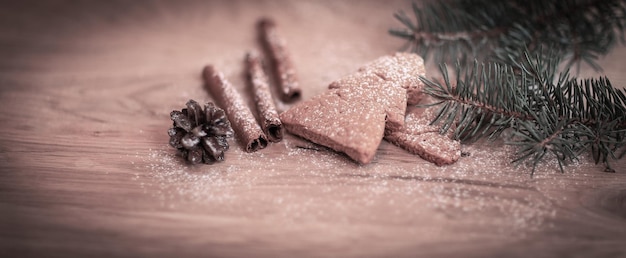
(254,134)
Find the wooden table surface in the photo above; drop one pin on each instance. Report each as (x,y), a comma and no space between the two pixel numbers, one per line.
(85,169)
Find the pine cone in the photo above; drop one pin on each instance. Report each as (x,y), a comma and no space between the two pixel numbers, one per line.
(200,135)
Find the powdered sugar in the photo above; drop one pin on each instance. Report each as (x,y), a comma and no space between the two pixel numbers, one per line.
(295,181)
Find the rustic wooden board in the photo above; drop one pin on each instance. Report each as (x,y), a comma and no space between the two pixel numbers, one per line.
(85,169)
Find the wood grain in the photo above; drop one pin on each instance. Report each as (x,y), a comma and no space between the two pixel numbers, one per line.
(85,170)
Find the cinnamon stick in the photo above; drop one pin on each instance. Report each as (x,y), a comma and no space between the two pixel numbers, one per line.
(259,84)
(283,68)
(240,116)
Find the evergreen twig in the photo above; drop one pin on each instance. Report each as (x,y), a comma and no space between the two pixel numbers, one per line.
(486,29)
(549,114)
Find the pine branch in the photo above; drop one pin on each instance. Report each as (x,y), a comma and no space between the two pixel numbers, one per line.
(548,114)
(485,30)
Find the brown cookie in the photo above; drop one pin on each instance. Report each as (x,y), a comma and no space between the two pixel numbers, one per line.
(339,120)
(369,87)
(353,115)
(420,138)
(431,146)
(407,70)
(402,69)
